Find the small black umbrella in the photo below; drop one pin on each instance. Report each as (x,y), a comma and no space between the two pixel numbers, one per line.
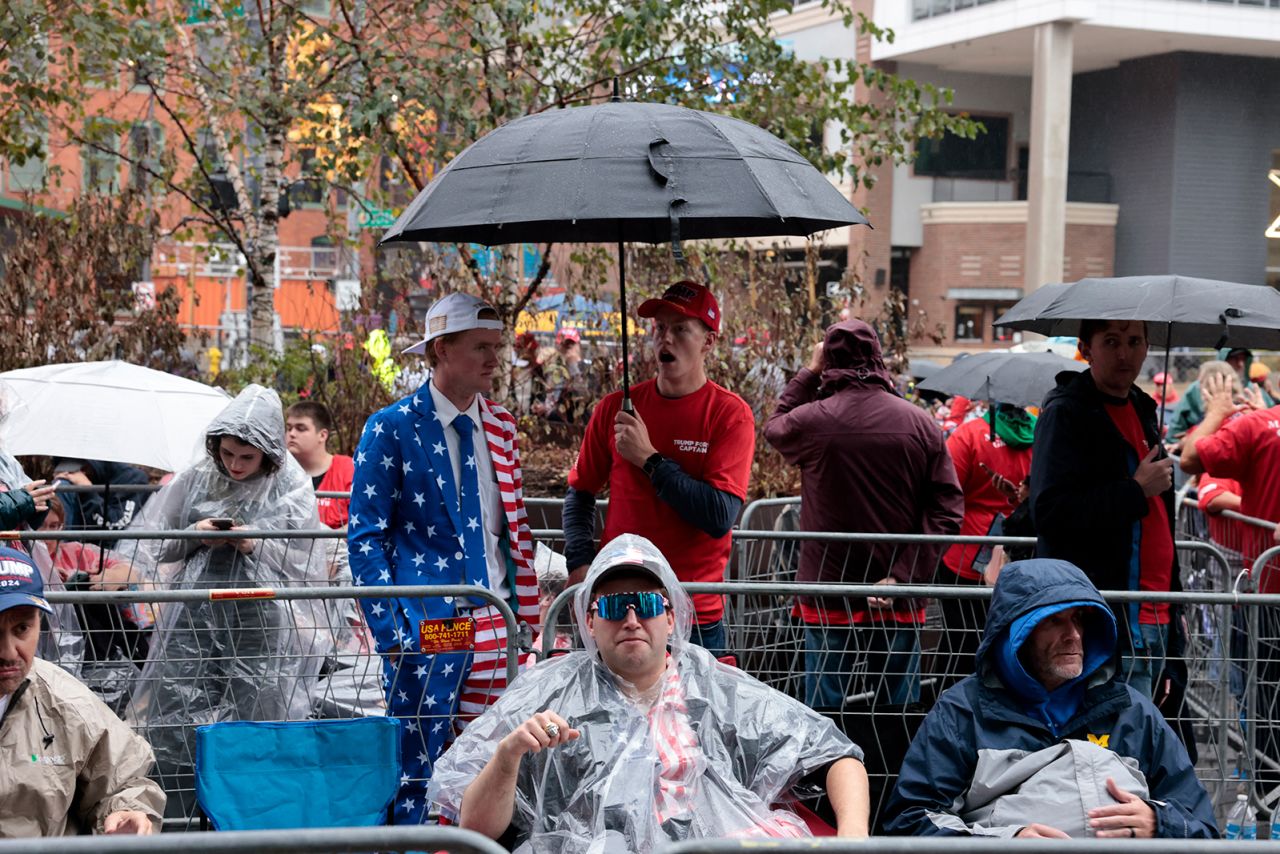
(1022,379)
(1193,312)
(924,368)
(624,171)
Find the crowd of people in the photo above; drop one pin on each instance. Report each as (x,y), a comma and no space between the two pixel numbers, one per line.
(649,733)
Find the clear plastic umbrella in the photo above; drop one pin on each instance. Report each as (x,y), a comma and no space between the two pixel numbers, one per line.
(110,411)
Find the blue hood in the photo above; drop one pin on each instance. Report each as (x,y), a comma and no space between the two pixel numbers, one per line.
(1027,592)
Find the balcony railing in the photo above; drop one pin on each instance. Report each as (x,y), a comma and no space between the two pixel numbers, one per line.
(224,261)
(923,9)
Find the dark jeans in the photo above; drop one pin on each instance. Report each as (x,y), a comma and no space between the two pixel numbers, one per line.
(711,637)
(888,658)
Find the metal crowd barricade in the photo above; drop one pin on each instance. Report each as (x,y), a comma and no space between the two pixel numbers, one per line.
(966,845)
(336,840)
(1260,715)
(246,651)
(768,638)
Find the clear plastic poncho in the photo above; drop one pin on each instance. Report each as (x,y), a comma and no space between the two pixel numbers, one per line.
(250,659)
(709,753)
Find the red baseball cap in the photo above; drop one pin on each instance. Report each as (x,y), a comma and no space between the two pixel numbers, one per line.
(688,298)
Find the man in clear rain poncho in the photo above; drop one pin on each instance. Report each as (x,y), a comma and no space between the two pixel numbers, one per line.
(624,746)
(247,659)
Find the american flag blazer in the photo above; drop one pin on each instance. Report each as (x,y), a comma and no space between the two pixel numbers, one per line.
(401,532)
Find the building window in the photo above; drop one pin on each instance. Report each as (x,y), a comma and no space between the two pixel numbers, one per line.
(29,176)
(308,189)
(99,158)
(969,322)
(1001,333)
(983,158)
(146,141)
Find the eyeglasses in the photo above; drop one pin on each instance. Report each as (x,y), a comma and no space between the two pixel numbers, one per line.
(614,606)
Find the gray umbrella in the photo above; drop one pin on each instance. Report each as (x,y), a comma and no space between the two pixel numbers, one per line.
(924,368)
(1179,310)
(624,171)
(1022,379)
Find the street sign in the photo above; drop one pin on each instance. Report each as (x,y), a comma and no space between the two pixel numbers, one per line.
(376,218)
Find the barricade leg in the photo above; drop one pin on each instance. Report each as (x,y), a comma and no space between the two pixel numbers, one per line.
(963,621)
(1263,715)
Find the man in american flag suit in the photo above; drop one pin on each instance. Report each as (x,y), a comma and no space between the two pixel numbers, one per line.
(437,499)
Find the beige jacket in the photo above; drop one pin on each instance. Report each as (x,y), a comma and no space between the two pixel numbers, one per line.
(67,762)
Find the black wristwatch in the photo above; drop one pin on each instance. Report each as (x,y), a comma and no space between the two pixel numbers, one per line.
(651,465)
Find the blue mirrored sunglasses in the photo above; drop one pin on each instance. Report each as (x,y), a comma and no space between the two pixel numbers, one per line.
(614,606)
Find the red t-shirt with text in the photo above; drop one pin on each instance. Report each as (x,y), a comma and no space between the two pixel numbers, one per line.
(1155,551)
(711,434)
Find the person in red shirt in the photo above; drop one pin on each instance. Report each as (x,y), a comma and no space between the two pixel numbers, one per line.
(1102,490)
(988,454)
(307,426)
(1213,495)
(677,468)
(1247,449)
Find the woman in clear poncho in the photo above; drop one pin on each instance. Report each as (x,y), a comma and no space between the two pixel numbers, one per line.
(705,752)
(241,659)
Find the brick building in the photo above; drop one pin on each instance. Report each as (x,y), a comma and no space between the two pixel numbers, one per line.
(1123,138)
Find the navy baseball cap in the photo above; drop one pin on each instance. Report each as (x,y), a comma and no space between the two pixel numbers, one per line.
(20,582)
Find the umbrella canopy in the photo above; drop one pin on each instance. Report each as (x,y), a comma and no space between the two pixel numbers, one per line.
(620,172)
(1022,379)
(624,172)
(1179,310)
(111,411)
(924,368)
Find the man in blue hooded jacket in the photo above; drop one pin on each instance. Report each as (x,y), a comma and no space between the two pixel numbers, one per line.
(1004,752)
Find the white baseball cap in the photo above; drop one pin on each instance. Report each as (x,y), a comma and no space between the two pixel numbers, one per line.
(457,312)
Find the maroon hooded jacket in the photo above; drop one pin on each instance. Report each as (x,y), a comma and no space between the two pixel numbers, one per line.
(870,462)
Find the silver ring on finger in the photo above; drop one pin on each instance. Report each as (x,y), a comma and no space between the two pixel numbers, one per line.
(552,730)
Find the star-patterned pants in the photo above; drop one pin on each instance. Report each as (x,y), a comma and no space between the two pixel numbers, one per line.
(423,691)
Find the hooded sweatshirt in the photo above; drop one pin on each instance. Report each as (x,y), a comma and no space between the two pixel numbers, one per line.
(1001,715)
(870,462)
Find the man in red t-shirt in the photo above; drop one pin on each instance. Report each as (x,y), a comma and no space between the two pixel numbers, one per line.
(1102,490)
(677,468)
(307,427)
(1245,449)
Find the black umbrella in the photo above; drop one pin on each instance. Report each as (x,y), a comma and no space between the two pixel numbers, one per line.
(924,368)
(1022,379)
(619,172)
(1194,312)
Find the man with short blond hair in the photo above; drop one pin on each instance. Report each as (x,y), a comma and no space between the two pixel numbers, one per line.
(438,499)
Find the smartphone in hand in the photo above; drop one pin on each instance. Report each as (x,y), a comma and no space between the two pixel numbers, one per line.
(223,524)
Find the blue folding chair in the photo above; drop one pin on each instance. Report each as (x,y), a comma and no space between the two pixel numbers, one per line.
(264,776)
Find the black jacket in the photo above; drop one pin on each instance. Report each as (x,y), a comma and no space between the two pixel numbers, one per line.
(1086,506)
(88,509)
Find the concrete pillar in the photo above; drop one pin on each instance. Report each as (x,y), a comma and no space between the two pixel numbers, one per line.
(1047,169)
